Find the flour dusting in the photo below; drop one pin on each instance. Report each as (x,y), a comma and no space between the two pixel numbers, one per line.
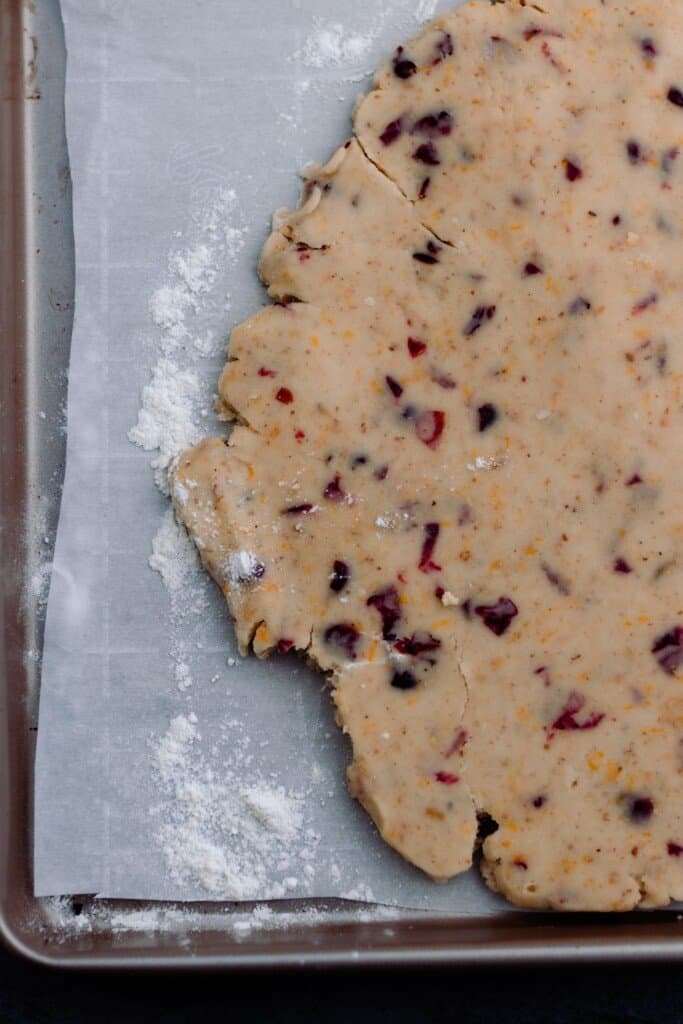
(234,843)
(331,45)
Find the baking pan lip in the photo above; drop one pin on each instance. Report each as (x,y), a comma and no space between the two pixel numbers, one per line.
(509,939)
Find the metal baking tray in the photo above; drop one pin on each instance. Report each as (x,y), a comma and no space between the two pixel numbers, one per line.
(36,298)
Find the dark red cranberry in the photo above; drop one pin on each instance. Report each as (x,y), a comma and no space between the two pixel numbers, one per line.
(418,644)
(579,305)
(404,680)
(572,170)
(538,801)
(388,604)
(408,412)
(284,645)
(446,778)
(566,720)
(621,565)
(487,415)
(433,125)
(531,269)
(358,460)
(334,491)
(439,592)
(285,396)
(635,479)
(429,427)
(486,826)
(544,673)
(444,47)
(640,307)
(403,68)
(341,574)
(557,581)
(633,151)
(479,317)
(459,740)
(392,132)
(394,386)
(428,154)
(674,849)
(344,636)
(640,808)
(616,220)
(648,47)
(668,650)
(265,372)
(430,257)
(444,381)
(497,617)
(416,347)
(382,473)
(675,96)
(431,535)
(298,510)
(424,188)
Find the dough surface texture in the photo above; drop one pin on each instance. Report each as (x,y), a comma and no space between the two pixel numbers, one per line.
(455,478)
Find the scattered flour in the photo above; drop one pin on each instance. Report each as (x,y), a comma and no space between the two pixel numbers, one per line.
(166,420)
(331,45)
(235,843)
(173,554)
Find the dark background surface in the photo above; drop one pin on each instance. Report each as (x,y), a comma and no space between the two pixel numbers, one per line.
(626,993)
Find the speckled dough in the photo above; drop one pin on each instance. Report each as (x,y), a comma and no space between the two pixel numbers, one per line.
(456,477)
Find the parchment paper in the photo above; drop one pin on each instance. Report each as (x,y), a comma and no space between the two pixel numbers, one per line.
(167,104)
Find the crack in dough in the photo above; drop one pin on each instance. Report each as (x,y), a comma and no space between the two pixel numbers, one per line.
(459,490)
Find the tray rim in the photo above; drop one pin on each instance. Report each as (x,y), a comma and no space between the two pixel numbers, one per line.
(551,938)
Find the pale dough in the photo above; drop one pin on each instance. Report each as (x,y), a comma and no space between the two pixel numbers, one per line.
(456,477)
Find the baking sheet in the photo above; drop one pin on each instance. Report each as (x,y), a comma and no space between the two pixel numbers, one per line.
(186,126)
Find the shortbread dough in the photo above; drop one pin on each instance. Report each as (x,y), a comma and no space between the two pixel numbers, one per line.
(455,478)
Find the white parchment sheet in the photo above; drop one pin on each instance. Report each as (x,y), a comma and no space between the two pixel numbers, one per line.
(165,771)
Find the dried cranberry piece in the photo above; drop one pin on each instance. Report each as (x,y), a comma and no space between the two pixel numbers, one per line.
(444,381)
(572,170)
(388,604)
(284,645)
(424,188)
(633,151)
(635,479)
(431,256)
(621,565)
(298,510)
(394,386)
(417,644)
(579,305)
(428,154)
(265,372)
(640,307)
(675,96)
(358,460)
(479,317)
(674,849)
(459,740)
(382,473)
(429,427)
(668,650)
(434,124)
(446,778)
(344,636)
(416,347)
(640,808)
(497,617)
(566,720)
(531,269)
(538,801)
(426,564)
(284,395)
(403,68)
(334,491)
(648,47)
(557,581)
(392,132)
(487,415)
(341,574)
(404,680)
(444,48)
